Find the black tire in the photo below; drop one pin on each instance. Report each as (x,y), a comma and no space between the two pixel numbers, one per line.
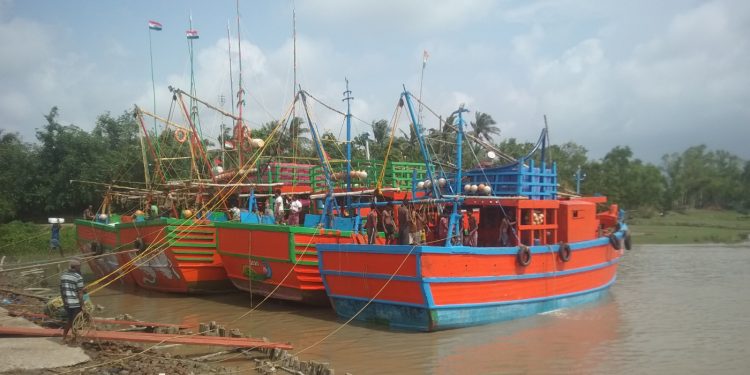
(564,252)
(614,241)
(628,241)
(96,248)
(523,257)
(139,244)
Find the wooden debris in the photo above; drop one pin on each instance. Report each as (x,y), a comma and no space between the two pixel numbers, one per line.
(146,337)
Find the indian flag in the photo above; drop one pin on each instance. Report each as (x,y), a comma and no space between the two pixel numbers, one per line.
(191,34)
(153,25)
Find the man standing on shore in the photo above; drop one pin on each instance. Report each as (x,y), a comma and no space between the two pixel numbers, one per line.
(71,292)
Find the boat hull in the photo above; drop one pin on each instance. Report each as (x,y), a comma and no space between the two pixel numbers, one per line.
(107,263)
(184,258)
(426,288)
(276,261)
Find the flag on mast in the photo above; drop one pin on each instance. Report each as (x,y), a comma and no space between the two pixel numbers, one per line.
(153,25)
(425,56)
(191,34)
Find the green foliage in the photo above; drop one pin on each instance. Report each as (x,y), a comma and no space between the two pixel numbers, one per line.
(692,226)
(27,241)
(111,153)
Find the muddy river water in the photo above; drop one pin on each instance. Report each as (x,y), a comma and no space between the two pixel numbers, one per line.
(673,310)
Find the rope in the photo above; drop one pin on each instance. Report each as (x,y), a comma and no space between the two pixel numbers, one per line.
(394,123)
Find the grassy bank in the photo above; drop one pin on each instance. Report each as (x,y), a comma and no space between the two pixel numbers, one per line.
(692,226)
(28,241)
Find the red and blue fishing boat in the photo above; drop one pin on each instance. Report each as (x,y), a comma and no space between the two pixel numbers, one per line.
(534,252)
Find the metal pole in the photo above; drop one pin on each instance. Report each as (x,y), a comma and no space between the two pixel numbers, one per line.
(348,98)
(153,85)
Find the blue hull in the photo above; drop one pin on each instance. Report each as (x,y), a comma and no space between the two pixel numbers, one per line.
(416,318)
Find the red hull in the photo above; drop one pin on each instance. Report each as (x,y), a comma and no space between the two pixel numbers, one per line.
(275,260)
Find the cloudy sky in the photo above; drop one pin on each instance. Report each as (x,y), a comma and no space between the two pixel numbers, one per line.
(657,76)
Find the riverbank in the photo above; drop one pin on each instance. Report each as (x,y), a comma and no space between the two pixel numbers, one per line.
(691,226)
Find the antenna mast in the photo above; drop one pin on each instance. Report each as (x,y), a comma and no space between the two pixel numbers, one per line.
(240,127)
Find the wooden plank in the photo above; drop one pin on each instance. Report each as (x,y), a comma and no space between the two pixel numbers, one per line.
(234,342)
(104,321)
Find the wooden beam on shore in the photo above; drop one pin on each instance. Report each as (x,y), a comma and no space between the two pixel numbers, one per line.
(233,342)
(103,320)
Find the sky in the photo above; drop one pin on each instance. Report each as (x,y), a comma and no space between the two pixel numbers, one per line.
(655,76)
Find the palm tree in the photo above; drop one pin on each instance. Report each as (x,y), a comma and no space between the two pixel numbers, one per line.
(484,126)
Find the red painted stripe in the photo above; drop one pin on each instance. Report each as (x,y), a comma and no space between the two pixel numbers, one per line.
(385,264)
(470,265)
(396,290)
(511,290)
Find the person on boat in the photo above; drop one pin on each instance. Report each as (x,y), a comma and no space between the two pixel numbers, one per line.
(403,223)
(505,228)
(371,226)
(294,210)
(88,213)
(416,225)
(443,228)
(71,292)
(472,231)
(278,207)
(54,241)
(387,223)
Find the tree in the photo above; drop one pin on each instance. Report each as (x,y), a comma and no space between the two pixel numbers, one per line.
(484,126)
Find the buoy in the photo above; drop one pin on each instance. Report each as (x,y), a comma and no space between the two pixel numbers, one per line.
(138,213)
(186,214)
(257,142)
(427,184)
(487,190)
(420,185)
(442,181)
(480,188)
(473,188)
(467,188)
(364,175)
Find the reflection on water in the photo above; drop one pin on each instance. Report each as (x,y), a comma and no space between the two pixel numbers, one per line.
(673,309)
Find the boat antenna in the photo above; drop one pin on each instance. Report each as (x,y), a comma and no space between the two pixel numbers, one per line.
(425,56)
(191,36)
(231,91)
(293,127)
(239,128)
(348,98)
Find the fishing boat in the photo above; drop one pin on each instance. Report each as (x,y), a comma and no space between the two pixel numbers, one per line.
(169,251)
(280,261)
(535,252)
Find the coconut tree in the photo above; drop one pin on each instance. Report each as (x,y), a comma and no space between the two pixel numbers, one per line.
(484,126)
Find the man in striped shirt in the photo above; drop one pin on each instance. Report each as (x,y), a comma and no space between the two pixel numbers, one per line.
(71,291)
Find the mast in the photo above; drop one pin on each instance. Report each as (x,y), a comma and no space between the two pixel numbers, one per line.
(240,127)
(231,89)
(422,147)
(453,227)
(348,98)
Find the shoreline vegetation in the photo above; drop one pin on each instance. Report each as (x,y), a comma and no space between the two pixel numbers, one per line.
(23,241)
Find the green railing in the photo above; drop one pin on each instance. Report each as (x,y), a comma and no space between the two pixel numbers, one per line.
(397,174)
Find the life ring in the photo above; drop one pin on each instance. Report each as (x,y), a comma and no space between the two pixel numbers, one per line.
(564,252)
(139,245)
(614,241)
(628,241)
(96,248)
(523,257)
(180,135)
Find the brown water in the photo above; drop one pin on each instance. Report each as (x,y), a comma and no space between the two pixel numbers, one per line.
(673,310)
